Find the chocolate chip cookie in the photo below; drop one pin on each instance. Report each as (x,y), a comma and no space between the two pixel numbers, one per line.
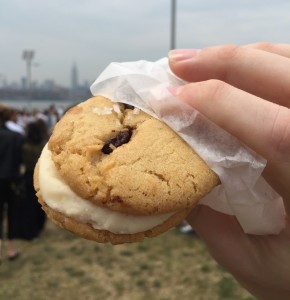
(112,173)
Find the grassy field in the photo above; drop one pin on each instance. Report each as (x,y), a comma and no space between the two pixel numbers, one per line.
(60,265)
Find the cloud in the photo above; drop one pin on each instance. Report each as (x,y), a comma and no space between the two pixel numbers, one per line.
(87,32)
(234,22)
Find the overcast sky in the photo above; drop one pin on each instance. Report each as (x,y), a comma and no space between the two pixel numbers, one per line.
(93,33)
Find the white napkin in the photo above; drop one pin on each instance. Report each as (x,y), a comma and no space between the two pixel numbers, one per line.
(243,192)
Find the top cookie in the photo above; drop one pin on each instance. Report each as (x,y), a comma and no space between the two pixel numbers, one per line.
(126,160)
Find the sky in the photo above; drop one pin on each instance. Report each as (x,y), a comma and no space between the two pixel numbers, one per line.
(93,33)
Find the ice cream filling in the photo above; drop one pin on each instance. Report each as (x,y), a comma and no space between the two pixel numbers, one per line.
(58,196)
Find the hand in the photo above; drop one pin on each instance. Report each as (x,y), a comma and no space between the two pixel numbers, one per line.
(246,91)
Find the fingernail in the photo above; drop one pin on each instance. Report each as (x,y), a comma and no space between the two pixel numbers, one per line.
(175,90)
(182,54)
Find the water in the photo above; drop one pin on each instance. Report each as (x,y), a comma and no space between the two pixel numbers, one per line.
(38,104)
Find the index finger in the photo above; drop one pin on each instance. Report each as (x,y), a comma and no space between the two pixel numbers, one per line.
(260,124)
(279,49)
(258,72)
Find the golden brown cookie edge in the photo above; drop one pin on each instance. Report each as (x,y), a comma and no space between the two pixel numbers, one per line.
(86,231)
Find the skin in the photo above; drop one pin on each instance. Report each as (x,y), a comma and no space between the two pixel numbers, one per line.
(246,91)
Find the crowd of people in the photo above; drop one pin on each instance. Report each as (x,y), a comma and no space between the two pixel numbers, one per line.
(22,136)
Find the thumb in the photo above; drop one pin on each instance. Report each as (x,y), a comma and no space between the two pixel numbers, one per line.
(222,235)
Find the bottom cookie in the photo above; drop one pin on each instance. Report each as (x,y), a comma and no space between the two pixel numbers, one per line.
(86,231)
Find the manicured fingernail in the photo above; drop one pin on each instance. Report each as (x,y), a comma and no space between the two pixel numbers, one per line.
(175,90)
(182,54)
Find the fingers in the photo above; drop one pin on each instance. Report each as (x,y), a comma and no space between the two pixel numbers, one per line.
(256,71)
(278,176)
(262,125)
(223,236)
(279,49)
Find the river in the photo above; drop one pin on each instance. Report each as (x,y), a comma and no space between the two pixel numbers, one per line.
(38,104)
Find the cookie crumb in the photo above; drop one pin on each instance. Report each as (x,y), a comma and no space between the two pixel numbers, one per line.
(116,108)
(118,123)
(102,111)
(136,111)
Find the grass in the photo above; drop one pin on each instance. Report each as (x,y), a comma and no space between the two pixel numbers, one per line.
(60,265)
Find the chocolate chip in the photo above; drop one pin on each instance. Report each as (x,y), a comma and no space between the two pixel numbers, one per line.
(107,149)
(123,137)
(128,106)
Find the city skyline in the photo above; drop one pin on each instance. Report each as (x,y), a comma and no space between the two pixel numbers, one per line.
(94,34)
(48,83)
(48,90)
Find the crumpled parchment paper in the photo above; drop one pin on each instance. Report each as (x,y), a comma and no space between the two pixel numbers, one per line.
(243,192)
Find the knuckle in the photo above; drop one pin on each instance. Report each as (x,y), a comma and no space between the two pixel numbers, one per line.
(280,134)
(266,46)
(228,52)
(216,88)
(283,145)
(284,94)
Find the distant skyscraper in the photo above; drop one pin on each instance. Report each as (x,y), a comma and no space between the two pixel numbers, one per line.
(74,77)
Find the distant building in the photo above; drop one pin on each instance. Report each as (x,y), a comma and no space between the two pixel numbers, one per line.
(74,78)
(23,83)
(48,84)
